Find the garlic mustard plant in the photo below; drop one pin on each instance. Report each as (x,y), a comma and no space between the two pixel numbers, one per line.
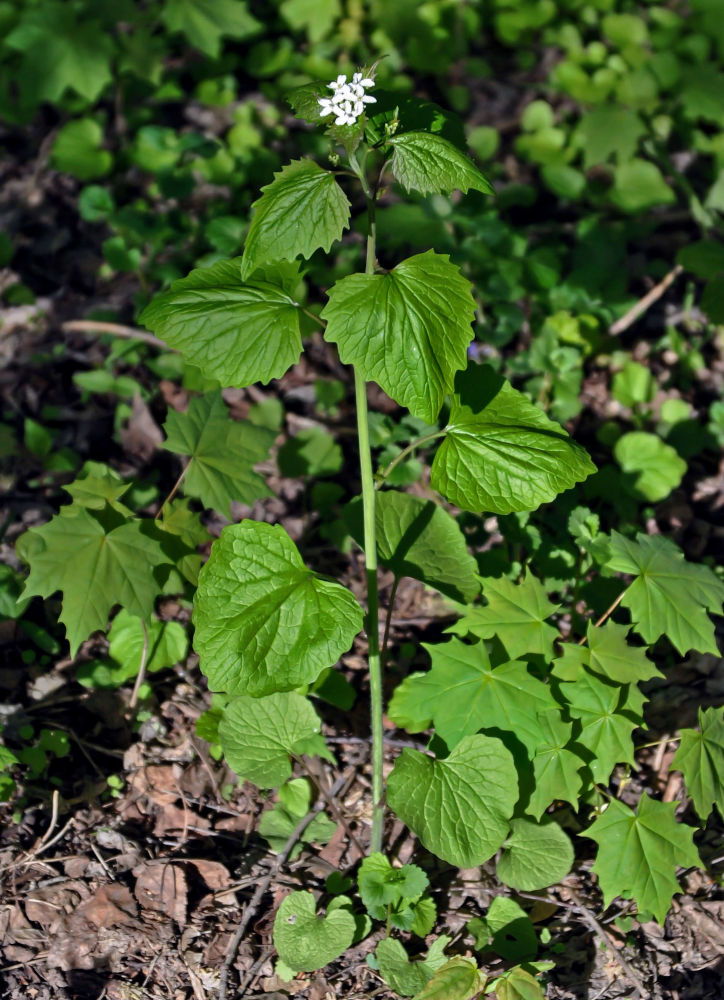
(348,99)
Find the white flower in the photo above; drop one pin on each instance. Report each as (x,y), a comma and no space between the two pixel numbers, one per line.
(348,100)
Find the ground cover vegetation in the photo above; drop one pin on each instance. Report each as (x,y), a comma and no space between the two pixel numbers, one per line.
(362,360)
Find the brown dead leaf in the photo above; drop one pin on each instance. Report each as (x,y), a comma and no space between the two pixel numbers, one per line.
(141,435)
(111,906)
(216,876)
(162,887)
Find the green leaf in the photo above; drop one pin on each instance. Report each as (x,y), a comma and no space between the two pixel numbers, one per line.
(516,613)
(307,941)
(655,465)
(556,768)
(303,208)
(459,807)
(258,735)
(98,561)
(60,52)
(402,975)
(264,622)
(277,824)
(425,162)
(669,596)
(223,452)
(705,258)
(458,979)
(167,643)
(535,855)
(639,185)
(234,333)
(463,694)
(77,151)
(418,538)
(700,758)
(605,731)
(96,485)
(317,17)
(506,929)
(611,655)
(518,984)
(311,452)
(609,131)
(381,885)
(638,853)
(205,22)
(501,453)
(408,330)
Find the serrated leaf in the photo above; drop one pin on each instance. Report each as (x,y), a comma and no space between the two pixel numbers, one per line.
(96,485)
(408,330)
(167,643)
(112,557)
(700,758)
(458,979)
(516,613)
(223,452)
(611,655)
(638,853)
(205,22)
(501,453)
(425,162)
(535,855)
(459,807)
(669,596)
(518,984)
(555,768)
(655,466)
(305,940)
(235,333)
(605,730)
(463,694)
(417,538)
(264,622)
(258,735)
(61,51)
(506,929)
(381,885)
(402,975)
(303,209)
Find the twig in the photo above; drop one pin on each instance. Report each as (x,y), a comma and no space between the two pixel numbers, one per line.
(600,931)
(609,611)
(266,881)
(117,329)
(629,318)
(318,782)
(141,670)
(53,818)
(174,489)
(254,970)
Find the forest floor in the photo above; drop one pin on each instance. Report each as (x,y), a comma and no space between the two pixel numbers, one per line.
(135,891)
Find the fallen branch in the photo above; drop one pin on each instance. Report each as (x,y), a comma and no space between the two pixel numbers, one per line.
(117,329)
(629,318)
(266,882)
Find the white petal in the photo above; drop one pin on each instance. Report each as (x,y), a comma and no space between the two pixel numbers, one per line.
(342,120)
(367,83)
(341,80)
(369,100)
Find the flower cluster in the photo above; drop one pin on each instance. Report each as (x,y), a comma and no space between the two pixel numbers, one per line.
(348,99)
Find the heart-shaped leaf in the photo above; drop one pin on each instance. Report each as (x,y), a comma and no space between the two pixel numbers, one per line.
(535,855)
(458,979)
(307,941)
(459,807)
(258,735)
(264,622)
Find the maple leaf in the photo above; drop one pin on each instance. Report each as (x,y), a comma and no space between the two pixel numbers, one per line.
(516,613)
(113,557)
(638,853)
(700,758)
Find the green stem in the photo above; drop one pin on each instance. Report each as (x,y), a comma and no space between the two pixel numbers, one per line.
(381,476)
(370,550)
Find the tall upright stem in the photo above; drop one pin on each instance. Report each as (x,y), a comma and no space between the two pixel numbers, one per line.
(370,549)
